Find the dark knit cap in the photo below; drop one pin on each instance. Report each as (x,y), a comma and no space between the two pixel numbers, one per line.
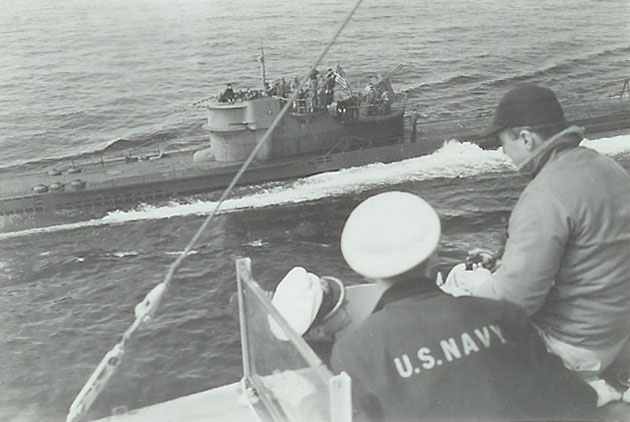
(527,105)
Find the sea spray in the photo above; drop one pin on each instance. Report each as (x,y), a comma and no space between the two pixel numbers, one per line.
(454,159)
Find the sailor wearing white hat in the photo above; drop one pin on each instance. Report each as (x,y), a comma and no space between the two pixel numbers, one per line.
(308,303)
(389,234)
(320,309)
(425,354)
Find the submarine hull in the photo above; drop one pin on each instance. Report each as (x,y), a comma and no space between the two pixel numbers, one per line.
(122,183)
(203,180)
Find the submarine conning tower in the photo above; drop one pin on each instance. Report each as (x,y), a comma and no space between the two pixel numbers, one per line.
(236,127)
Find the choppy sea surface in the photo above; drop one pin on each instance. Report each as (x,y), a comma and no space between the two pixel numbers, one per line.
(77,75)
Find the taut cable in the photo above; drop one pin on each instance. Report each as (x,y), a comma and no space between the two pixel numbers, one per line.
(145,310)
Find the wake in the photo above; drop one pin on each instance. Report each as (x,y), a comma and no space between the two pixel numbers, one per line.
(454,159)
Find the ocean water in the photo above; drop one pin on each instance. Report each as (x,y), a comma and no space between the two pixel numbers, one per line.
(76,75)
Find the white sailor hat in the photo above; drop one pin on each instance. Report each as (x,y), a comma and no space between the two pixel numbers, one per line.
(389,234)
(303,299)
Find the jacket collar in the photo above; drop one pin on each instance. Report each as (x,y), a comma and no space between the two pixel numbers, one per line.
(404,289)
(568,138)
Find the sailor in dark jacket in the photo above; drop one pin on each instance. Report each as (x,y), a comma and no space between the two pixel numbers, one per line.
(425,355)
(228,94)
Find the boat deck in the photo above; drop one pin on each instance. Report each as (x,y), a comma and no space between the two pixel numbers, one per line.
(223,404)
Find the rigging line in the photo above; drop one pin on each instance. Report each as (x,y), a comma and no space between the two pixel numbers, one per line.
(259,145)
(145,310)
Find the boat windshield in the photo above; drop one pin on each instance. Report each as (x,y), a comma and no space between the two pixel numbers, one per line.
(290,382)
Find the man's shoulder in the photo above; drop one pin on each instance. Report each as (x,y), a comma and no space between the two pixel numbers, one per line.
(573,162)
(574,176)
(429,310)
(442,304)
(389,318)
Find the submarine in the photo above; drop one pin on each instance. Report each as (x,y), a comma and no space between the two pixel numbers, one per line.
(327,129)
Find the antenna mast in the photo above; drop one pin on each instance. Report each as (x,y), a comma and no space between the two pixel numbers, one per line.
(262,65)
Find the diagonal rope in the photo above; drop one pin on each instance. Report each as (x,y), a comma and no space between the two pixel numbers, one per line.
(145,310)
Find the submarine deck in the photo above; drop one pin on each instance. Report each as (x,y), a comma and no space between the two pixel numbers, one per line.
(110,174)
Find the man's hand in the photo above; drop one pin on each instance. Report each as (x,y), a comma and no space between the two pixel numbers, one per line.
(461,282)
(481,258)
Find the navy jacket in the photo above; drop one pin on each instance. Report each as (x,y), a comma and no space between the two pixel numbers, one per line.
(425,355)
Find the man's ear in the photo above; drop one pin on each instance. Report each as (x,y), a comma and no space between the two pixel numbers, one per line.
(529,139)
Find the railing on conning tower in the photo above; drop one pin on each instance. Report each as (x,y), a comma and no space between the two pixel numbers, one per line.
(625,88)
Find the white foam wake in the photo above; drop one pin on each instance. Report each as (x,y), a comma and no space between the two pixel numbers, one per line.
(454,159)
(610,146)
